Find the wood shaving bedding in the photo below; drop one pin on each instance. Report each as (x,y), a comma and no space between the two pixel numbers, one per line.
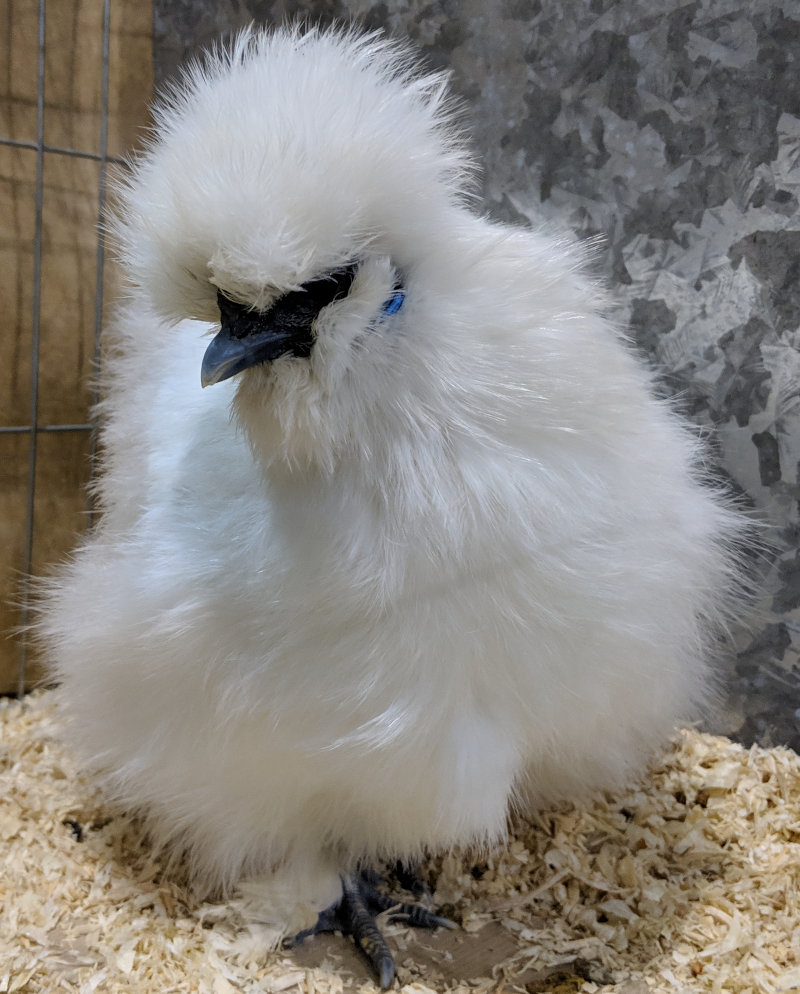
(686,883)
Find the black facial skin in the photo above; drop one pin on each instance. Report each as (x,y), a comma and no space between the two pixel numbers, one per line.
(248,337)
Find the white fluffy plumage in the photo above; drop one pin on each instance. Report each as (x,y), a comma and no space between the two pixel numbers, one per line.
(361,604)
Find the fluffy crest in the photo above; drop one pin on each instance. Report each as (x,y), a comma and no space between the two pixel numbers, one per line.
(275,158)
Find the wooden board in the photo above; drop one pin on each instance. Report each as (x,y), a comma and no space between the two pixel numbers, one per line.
(72,119)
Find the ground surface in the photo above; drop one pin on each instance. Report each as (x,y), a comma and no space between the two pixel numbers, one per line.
(687,882)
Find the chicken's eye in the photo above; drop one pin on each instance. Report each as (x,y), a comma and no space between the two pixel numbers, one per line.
(318,293)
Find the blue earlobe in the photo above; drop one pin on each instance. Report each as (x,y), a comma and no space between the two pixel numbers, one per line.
(394,303)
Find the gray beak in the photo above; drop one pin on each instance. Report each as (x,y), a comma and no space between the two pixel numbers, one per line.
(228,355)
(248,337)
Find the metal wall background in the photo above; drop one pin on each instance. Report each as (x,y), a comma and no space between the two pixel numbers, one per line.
(671,129)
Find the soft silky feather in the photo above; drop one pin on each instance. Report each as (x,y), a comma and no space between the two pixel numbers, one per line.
(358,605)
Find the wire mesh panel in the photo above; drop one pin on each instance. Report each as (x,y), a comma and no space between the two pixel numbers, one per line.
(75,85)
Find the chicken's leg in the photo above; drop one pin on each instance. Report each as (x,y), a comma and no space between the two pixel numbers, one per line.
(355,915)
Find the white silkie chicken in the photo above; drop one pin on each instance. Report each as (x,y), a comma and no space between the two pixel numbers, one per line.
(426,550)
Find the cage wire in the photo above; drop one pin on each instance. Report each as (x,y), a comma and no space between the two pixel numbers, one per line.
(35,428)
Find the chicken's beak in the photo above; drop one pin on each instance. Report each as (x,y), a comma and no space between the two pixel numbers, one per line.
(248,338)
(228,355)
